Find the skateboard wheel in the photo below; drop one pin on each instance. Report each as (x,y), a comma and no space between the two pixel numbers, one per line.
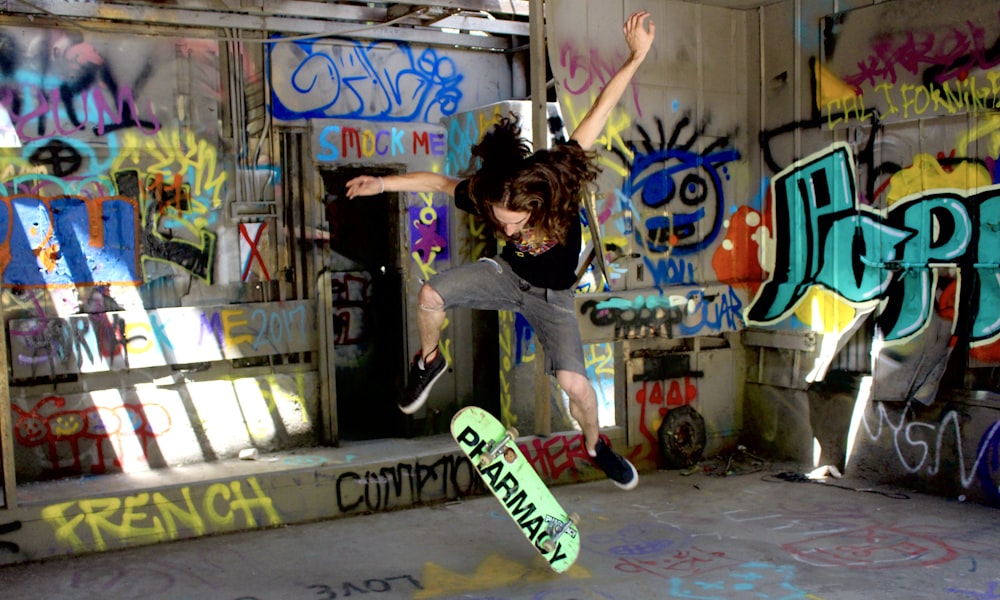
(512,432)
(574,518)
(548,546)
(484,460)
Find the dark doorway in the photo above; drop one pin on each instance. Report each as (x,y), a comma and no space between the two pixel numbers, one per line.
(368,307)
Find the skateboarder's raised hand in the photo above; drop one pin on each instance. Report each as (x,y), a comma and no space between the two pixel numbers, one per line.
(640,31)
(639,34)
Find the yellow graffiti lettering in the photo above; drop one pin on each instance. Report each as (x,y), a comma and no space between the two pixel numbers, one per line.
(65,528)
(954,98)
(276,391)
(131,516)
(973,94)
(259,500)
(98,514)
(506,319)
(834,107)
(140,337)
(426,271)
(16,167)
(986,131)
(230,322)
(428,215)
(477,233)
(618,122)
(444,346)
(886,89)
(994,78)
(477,227)
(973,97)
(367,143)
(573,117)
(172,514)
(600,358)
(857,104)
(223,520)
(426,197)
(908,101)
(487,119)
(168,152)
(137,519)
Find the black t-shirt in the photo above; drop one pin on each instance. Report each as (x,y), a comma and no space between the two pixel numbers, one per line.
(548,265)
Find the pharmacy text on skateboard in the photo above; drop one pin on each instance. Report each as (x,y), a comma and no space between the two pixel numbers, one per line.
(509,476)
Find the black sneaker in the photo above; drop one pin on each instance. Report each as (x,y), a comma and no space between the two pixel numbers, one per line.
(621,472)
(421,380)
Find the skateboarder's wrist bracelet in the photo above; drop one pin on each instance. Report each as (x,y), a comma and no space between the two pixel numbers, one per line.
(382,181)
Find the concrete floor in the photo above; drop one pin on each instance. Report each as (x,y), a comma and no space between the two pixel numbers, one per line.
(703,535)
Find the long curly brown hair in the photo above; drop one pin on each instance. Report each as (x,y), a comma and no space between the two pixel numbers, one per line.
(548,183)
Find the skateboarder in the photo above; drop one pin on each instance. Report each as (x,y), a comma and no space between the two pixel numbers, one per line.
(532,200)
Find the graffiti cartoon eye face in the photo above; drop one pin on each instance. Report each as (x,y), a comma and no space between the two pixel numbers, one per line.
(30,430)
(680,199)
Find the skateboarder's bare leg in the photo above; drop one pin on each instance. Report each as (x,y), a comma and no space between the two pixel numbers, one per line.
(430,318)
(583,408)
(582,405)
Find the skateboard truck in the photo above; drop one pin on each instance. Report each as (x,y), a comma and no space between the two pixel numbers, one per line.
(556,528)
(496,448)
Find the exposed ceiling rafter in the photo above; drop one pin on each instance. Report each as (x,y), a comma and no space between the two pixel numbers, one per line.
(491,25)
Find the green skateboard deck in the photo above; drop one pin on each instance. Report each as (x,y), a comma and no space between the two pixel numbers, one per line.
(509,476)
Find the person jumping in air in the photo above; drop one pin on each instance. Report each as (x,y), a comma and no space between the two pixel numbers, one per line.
(532,202)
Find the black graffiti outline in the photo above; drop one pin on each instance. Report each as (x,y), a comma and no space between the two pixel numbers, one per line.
(59,157)
(11,527)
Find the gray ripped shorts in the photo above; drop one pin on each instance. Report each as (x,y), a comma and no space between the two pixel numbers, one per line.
(490,284)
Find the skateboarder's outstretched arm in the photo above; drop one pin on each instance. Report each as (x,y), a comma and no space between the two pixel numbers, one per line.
(639,34)
(416,181)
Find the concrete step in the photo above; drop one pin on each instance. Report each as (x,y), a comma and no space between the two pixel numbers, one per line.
(107,512)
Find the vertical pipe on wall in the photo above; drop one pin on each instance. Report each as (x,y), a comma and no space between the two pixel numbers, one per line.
(9,499)
(699,64)
(8,478)
(536,50)
(539,132)
(761,124)
(329,425)
(797,62)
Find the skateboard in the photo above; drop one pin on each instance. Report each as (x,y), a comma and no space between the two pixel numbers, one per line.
(509,476)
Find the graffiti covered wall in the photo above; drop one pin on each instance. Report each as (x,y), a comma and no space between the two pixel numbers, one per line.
(879,227)
(112,186)
(145,195)
(122,267)
(865,204)
(671,214)
(394,107)
(890,198)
